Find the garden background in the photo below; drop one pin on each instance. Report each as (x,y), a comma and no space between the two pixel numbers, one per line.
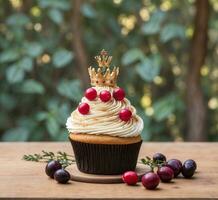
(167,52)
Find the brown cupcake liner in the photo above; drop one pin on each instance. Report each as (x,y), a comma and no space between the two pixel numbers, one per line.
(105,159)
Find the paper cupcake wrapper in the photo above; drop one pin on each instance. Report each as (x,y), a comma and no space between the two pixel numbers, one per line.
(105,159)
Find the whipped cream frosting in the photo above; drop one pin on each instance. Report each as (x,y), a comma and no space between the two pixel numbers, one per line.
(103,118)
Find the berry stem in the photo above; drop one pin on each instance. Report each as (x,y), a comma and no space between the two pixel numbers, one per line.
(151,163)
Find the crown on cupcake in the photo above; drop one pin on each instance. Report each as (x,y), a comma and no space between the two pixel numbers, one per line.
(103,76)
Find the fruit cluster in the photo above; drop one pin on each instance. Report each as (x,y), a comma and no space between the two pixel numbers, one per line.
(55,170)
(166,171)
(105,96)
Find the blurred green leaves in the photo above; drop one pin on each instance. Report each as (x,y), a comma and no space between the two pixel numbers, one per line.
(32,87)
(56,16)
(132,56)
(62,57)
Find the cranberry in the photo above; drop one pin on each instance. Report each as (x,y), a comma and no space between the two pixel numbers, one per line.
(105,95)
(52,167)
(165,173)
(90,94)
(130,178)
(62,176)
(192,162)
(125,114)
(83,108)
(175,165)
(159,157)
(188,169)
(119,94)
(150,180)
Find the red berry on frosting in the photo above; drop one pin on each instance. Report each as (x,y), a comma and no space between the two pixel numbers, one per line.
(90,94)
(83,108)
(105,95)
(125,114)
(119,94)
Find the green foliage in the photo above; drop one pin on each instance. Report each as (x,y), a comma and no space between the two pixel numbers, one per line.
(40,81)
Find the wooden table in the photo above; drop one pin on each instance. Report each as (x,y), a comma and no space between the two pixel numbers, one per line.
(20,179)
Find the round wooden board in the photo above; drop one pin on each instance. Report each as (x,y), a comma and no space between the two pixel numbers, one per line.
(76,175)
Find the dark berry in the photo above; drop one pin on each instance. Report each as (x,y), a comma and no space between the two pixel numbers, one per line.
(125,114)
(150,180)
(165,173)
(62,176)
(105,96)
(159,157)
(52,167)
(192,162)
(130,178)
(83,108)
(119,94)
(175,165)
(188,169)
(91,94)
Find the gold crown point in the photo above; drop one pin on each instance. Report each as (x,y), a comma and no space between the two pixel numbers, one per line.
(101,77)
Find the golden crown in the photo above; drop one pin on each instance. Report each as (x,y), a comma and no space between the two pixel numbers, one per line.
(103,76)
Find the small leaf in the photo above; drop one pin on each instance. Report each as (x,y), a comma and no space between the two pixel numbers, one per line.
(63,4)
(149,68)
(9,55)
(26,63)
(14,74)
(62,57)
(70,89)
(55,15)
(18,19)
(154,24)
(52,127)
(32,87)
(131,56)
(172,31)
(88,11)
(16,134)
(164,107)
(33,49)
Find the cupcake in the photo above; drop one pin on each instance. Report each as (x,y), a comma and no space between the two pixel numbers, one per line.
(105,130)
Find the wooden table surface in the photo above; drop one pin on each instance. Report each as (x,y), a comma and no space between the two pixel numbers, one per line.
(20,179)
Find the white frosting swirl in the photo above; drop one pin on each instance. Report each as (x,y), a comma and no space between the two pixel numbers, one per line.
(103,118)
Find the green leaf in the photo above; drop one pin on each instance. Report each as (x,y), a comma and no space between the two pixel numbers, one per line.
(18,19)
(26,63)
(14,74)
(131,56)
(70,89)
(62,57)
(9,55)
(63,4)
(164,107)
(149,68)
(52,126)
(16,134)
(154,24)
(7,101)
(33,87)
(55,15)
(172,31)
(33,49)
(88,11)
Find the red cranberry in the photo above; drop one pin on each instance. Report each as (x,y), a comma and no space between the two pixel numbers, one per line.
(119,94)
(105,95)
(150,180)
(130,178)
(83,108)
(165,174)
(90,94)
(125,114)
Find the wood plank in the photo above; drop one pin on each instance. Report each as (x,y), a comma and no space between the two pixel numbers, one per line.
(22,179)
